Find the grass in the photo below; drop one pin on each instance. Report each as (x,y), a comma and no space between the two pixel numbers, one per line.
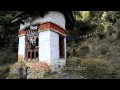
(7,57)
(95,68)
(4,70)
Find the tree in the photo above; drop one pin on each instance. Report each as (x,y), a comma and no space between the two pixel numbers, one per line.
(8,31)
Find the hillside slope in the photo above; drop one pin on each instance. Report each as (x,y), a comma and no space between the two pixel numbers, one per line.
(99,54)
(7,58)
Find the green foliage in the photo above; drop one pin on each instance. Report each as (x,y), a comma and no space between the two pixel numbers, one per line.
(4,71)
(8,31)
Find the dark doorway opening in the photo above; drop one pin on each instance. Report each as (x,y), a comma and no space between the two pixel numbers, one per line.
(61,47)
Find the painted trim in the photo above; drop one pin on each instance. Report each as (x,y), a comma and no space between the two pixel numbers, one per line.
(53,27)
(58,32)
(52,23)
(21,32)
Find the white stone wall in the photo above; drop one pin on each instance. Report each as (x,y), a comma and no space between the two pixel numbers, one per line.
(52,16)
(54,45)
(44,46)
(49,48)
(54,50)
(21,49)
(62,62)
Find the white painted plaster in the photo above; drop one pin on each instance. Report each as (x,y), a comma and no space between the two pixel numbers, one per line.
(49,49)
(54,50)
(44,46)
(21,49)
(52,16)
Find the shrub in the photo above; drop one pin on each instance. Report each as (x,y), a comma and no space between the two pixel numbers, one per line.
(83,51)
(4,72)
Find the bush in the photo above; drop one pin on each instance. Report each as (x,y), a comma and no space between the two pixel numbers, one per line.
(4,72)
(83,51)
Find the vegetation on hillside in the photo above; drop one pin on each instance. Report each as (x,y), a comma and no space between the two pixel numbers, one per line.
(100,53)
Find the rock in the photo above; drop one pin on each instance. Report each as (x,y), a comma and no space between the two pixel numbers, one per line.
(18,69)
(23,72)
(33,74)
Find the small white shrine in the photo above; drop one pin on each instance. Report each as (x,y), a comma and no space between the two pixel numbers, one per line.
(42,36)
